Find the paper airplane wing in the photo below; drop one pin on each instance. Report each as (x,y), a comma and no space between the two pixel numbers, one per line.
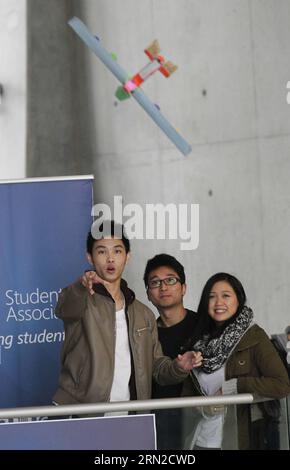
(153,49)
(170,67)
(95,45)
(161,121)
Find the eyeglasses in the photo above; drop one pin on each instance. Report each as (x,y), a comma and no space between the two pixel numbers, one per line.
(168,281)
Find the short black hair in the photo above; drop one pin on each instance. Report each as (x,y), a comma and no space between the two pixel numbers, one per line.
(108,228)
(164,260)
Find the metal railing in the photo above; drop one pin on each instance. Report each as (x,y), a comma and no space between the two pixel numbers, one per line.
(138,405)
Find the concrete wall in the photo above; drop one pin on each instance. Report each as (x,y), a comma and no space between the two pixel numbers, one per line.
(228,98)
(13,80)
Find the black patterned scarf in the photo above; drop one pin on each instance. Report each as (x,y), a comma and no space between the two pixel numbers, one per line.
(215,351)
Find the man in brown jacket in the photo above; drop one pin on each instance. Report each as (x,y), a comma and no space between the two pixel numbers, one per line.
(111,348)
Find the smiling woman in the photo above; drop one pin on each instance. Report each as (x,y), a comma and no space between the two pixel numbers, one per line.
(223,302)
(238,357)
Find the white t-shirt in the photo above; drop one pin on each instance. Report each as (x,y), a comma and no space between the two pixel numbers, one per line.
(209,431)
(210,383)
(122,370)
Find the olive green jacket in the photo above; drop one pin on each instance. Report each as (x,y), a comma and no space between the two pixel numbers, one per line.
(256,365)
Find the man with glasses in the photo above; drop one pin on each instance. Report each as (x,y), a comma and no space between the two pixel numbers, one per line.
(164,280)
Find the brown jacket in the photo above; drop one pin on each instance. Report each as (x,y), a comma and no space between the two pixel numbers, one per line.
(88,351)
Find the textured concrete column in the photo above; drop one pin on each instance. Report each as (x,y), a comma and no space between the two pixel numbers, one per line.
(13,81)
(52,127)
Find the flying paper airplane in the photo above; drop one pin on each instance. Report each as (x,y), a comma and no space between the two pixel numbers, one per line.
(157,62)
(95,45)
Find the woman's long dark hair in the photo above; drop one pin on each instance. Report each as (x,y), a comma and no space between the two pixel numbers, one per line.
(205,324)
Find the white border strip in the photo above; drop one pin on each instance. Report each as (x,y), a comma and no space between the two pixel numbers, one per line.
(49,178)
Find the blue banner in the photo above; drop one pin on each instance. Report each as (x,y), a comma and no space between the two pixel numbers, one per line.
(135,432)
(44,224)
